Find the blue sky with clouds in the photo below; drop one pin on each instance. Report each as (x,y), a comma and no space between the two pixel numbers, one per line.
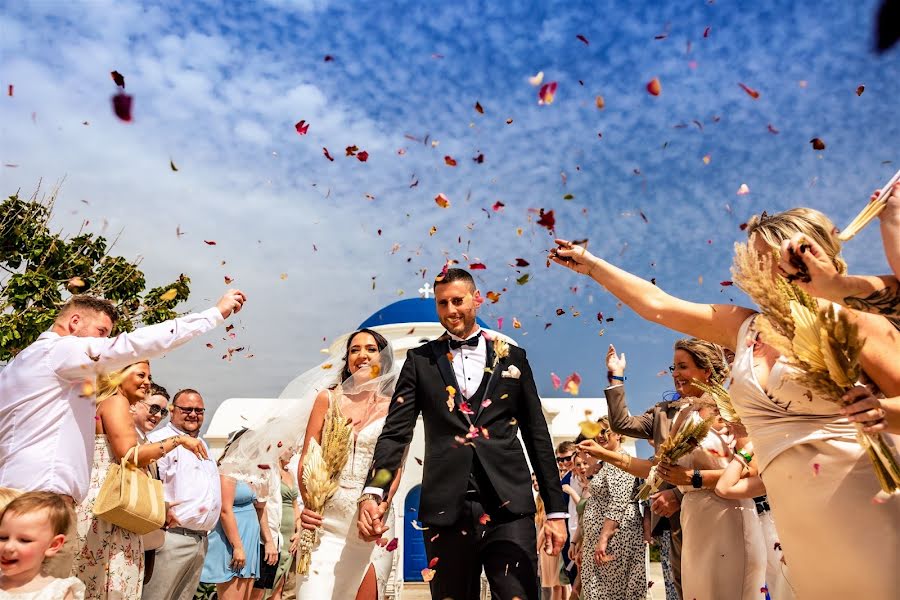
(218,87)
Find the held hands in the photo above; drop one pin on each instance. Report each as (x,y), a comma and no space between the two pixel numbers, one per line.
(369,521)
(572,256)
(194,445)
(554,536)
(665,503)
(231,302)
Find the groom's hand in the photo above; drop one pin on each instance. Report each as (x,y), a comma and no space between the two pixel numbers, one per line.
(554,536)
(369,520)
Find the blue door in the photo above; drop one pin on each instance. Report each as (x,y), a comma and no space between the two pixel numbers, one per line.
(414,558)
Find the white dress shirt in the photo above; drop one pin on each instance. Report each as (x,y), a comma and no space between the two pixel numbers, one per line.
(468,364)
(190,484)
(47,406)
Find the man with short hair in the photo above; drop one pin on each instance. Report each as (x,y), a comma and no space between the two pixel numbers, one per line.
(47,406)
(475,395)
(565,461)
(191,488)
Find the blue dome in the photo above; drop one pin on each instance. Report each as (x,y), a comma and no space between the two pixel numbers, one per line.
(411,310)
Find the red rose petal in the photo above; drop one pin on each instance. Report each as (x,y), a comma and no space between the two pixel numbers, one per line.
(477,266)
(362,156)
(547,219)
(302,127)
(750,91)
(122,106)
(449,160)
(118,78)
(654,87)
(583,39)
(327,154)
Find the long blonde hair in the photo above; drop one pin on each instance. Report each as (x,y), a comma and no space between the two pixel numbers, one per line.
(108,383)
(774,229)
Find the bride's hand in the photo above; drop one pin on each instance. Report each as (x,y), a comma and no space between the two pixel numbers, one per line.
(572,256)
(369,520)
(310,520)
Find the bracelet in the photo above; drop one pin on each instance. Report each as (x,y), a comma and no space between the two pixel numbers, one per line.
(747,456)
(617,378)
(366,497)
(697,480)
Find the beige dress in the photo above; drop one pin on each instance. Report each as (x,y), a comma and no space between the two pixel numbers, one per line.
(110,560)
(838,541)
(723,553)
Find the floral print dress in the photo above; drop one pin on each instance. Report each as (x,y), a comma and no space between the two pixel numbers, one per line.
(110,560)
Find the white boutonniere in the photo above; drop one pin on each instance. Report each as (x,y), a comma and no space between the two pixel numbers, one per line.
(501,351)
(512,372)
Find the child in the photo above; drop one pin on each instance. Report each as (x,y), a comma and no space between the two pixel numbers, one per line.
(32,529)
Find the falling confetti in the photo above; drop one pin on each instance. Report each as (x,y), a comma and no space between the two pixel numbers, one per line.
(442,201)
(524,279)
(555,380)
(498,206)
(118,78)
(583,39)
(494,297)
(327,154)
(547,220)
(599,102)
(750,91)
(172,165)
(450,161)
(122,103)
(860,90)
(817,144)
(536,80)
(654,87)
(572,384)
(516,323)
(743,190)
(363,156)
(479,108)
(547,92)
(302,127)
(209,242)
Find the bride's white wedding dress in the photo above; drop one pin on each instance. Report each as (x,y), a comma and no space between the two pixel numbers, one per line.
(341,559)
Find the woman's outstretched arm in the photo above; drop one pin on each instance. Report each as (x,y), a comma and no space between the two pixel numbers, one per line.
(717,323)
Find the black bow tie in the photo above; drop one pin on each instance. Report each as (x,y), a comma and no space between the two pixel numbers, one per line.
(457,344)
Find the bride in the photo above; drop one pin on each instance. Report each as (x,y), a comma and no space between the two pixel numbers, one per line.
(343,566)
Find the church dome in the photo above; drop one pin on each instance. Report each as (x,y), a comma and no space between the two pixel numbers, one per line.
(410,310)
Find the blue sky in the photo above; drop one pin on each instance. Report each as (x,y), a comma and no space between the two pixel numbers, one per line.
(218,87)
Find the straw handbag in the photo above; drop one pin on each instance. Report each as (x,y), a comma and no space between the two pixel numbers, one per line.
(130,498)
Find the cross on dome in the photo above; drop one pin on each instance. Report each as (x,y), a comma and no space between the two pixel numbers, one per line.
(426,291)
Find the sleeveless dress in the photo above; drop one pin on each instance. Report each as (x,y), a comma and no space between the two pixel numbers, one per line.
(55,590)
(340,561)
(625,577)
(838,541)
(723,553)
(285,558)
(217,565)
(110,560)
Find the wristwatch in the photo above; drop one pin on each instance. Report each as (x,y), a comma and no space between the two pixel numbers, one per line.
(697,479)
(366,497)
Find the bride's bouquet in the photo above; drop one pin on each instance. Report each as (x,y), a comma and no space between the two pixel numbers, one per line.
(822,345)
(322,467)
(679,443)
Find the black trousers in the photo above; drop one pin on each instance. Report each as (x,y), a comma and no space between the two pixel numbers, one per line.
(505,546)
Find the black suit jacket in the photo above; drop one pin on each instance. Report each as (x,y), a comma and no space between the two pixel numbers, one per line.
(515,405)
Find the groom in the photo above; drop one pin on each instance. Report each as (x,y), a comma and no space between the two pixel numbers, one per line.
(477,508)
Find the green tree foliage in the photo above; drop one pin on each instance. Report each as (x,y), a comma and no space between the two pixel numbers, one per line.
(40,269)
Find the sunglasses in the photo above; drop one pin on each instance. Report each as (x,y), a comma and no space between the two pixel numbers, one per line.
(156,409)
(190,410)
(563,459)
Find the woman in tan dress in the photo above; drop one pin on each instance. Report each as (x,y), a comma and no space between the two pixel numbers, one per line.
(110,560)
(838,541)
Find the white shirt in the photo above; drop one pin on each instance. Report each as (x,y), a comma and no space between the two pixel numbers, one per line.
(189,483)
(468,364)
(47,406)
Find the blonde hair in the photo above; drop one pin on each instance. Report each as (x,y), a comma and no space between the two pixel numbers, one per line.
(58,513)
(7,495)
(108,383)
(774,229)
(707,356)
(540,515)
